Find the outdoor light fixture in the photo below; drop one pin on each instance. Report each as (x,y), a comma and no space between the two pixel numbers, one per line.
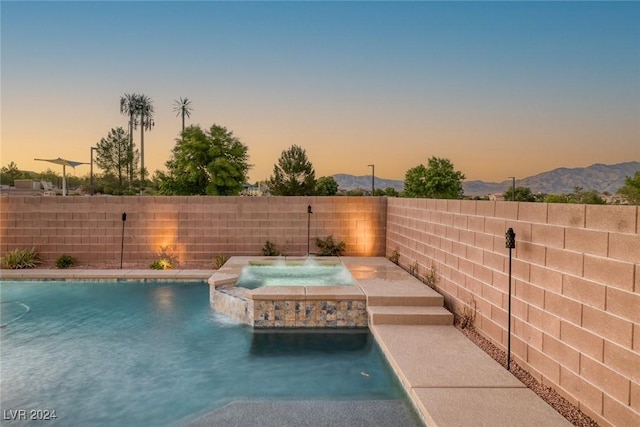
(91,172)
(513,188)
(510,243)
(124,219)
(309,212)
(373,176)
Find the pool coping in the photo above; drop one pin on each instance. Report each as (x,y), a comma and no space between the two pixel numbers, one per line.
(448,379)
(96,274)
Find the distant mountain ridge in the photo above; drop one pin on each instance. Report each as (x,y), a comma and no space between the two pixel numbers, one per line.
(351,182)
(599,177)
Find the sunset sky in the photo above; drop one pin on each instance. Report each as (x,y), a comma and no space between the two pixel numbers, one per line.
(500,88)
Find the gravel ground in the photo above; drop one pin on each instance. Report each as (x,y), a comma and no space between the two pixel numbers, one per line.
(557,402)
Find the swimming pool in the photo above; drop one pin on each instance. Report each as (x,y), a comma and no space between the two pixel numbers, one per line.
(155,353)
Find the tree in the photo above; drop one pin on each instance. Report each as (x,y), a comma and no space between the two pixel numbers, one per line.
(51,176)
(391,192)
(9,173)
(293,175)
(556,198)
(129,107)
(113,156)
(439,180)
(210,162)
(182,107)
(523,194)
(579,196)
(144,107)
(631,189)
(326,186)
(586,197)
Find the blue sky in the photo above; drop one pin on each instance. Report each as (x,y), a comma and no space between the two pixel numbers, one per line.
(499,88)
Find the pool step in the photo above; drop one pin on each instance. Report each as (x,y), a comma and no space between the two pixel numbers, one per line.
(409,315)
(433,299)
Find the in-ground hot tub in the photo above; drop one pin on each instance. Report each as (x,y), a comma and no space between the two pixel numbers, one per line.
(307,272)
(296,293)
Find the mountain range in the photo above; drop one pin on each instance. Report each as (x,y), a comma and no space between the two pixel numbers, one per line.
(599,177)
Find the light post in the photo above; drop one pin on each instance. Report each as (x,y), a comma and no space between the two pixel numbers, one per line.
(91,172)
(124,219)
(510,243)
(513,188)
(309,212)
(373,176)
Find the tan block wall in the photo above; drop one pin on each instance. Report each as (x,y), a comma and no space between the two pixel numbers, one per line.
(193,229)
(576,288)
(576,268)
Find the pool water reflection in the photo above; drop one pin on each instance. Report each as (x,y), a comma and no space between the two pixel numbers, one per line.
(155,353)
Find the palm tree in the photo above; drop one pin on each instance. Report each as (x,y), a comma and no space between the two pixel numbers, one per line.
(183,108)
(129,107)
(144,108)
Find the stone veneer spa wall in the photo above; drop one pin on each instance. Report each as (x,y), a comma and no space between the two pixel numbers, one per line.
(286,306)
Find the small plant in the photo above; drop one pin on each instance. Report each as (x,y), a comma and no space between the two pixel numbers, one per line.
(220,260)
(165,260)
(395,257)
(330,247)
(431,277)
(270,249)
(65,261)
(162,264)
(468,315)
(285,249)
(21,258)
(413,269)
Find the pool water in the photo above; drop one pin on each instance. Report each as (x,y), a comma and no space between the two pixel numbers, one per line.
(155,353)
(304,274)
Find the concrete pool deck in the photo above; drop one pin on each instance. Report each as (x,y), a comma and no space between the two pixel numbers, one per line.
(450,381)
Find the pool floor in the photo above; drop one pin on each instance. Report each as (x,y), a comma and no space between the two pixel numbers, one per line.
(155,353)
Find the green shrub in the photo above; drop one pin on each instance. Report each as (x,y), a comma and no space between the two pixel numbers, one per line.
(220,260)
(330,247)
(270,249)
(65,261)
(162,264)
(21,258)
(414,269)
(431,277)
(165,260)
(468,315)
(395,256)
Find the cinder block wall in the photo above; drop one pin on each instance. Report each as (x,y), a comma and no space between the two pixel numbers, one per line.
(576,288)
(192,229)
(576,268)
